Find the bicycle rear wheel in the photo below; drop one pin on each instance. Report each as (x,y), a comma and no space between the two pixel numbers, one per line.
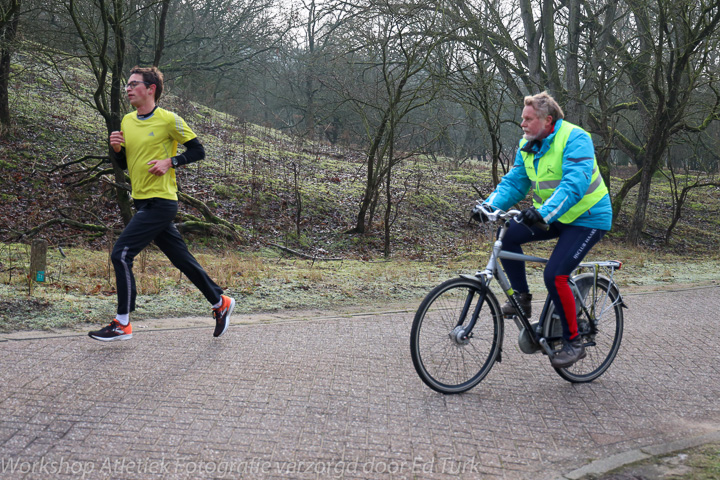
(601,343)
(444,360)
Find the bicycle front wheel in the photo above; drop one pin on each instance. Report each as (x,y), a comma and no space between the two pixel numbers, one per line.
(444,359)
(602,342)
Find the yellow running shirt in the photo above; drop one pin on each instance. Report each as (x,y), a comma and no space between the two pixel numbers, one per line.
(155,138)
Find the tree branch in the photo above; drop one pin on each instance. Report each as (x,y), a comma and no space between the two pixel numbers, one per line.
(66,221)
(303,255)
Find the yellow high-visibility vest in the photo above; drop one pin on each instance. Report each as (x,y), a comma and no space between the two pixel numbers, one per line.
(549,172)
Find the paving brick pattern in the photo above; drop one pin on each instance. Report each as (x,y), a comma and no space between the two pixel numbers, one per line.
(339,398)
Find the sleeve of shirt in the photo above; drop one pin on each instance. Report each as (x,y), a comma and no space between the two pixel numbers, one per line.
(195,151)
(578,163)
(120,157)
(513,187)
(180,131)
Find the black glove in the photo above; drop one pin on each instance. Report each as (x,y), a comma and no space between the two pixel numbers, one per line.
(478,215)
(530,217)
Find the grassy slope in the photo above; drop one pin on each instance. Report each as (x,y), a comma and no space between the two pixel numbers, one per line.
(248,178)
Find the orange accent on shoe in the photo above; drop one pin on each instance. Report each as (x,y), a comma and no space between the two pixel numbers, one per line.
(222,315)
(114,331)
(127,329)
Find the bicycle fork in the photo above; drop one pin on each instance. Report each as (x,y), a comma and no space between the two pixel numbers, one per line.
(462,334)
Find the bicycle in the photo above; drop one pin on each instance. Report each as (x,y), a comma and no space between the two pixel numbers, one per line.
(457,333)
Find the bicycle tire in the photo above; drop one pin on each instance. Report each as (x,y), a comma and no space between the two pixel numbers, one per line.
(609,317)
(444,364)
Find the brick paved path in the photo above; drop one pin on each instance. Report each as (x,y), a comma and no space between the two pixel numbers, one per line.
(339,398)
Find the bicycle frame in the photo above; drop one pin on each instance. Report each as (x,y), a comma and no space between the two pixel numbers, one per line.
(494,270)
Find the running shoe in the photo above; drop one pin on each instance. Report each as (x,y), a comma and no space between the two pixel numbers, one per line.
(113,332)
(222,315)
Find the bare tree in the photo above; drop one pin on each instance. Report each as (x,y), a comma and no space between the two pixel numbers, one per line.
(160,40)
(388,53)
(666,62)
(211,47)
(474,80)
(686,181)
(304,104)
(630,71)
(101,30)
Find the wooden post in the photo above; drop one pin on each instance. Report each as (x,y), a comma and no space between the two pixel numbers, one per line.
(38,260)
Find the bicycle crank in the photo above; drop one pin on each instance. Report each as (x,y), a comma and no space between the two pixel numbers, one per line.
(544,344)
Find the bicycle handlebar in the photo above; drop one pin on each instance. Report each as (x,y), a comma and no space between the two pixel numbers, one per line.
(498,214)
(495,215)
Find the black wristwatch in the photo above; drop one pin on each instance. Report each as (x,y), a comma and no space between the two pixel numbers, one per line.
(174,161)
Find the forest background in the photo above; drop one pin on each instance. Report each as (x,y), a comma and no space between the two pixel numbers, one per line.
(347,141)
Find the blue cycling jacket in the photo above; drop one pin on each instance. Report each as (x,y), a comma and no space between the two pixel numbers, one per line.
(575,180)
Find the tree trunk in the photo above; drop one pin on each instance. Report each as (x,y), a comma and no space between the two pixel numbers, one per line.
(4,80)
(574,110)
(360,220)
(115,114)
(160,43)
(8,32)
(638,221)
(619,198)
(547,22)
(310,107)
(495,160)
(532,40)
(113,124)
(309,87)
(603,161)
(371,182)
(388,206)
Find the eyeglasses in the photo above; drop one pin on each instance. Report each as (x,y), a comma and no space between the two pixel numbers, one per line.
(132,85)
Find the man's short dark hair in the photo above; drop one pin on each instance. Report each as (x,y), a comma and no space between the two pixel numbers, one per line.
(152,76)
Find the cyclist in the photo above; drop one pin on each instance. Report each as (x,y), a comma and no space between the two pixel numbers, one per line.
(556,160)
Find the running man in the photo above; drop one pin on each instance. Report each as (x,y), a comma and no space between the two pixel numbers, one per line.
(146,146)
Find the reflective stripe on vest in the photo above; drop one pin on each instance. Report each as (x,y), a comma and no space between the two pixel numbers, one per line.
(549,175)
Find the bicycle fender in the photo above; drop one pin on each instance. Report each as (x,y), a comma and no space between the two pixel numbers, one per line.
(475,279)
(588,278)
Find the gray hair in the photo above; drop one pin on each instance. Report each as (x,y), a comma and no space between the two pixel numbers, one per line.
(545,105)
